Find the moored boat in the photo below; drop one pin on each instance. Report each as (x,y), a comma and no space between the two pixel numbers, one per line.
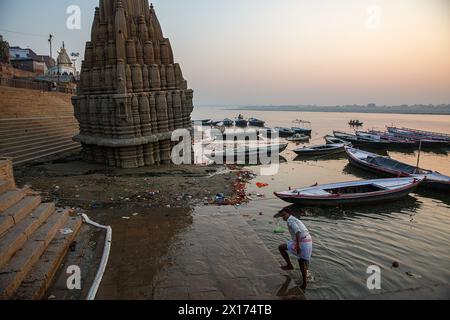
(228,122)
(298,138)
(361,141)
(419,134)
(393,142)
(256,122)
(302,127)
(321,150)
(333,140)
(284,132)
(245,152)
(242,123)
(387,166)
(352,193)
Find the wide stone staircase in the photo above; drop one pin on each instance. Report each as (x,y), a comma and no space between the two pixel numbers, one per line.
(34,239)
(26,140)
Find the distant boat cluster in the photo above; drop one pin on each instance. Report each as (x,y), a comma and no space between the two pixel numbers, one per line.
(406,177)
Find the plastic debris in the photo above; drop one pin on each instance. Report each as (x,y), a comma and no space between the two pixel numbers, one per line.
(279,230)
(220,198)
(135,214)
(66,231)
(126,218)
(395,264)
(262,185)
(412,275)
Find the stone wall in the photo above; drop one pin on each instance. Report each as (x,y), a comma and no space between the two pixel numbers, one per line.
(24,103)
(7,71)
(6,171)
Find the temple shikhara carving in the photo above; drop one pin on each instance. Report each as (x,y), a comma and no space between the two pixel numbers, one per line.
(131,94)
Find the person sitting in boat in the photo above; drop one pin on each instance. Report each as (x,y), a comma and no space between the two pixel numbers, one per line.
(300,246)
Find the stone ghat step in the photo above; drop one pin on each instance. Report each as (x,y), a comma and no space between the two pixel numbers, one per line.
(73,147)
(11,197)
(18,212)
(15,138)
(18,235)
(18,131)
(27,152)
(11,123)
(29,145)
(36,139)
(4,186)
(13,274)
(41,275)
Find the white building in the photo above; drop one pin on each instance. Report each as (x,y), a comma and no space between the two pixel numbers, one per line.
(64,65)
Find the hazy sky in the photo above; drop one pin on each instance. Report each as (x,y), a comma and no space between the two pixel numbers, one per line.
(324,52)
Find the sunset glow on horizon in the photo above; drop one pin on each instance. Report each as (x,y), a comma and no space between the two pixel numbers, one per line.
(283,51)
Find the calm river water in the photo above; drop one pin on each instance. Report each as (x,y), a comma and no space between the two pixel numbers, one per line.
(413,231)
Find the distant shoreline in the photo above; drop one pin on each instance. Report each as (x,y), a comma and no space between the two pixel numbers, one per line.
(438,110)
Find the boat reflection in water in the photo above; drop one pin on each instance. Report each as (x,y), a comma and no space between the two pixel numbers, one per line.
(407,205)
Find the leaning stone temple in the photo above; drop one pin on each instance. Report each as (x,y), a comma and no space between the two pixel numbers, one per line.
(131,94)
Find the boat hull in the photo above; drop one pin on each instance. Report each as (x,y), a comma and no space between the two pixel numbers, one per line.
(306,132)
(241,123)
(311,152)
(361,199)
(388,172)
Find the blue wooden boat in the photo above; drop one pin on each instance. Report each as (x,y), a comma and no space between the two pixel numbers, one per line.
(387,166)
(256,122)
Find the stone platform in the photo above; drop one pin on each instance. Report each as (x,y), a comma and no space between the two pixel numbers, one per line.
(221,257)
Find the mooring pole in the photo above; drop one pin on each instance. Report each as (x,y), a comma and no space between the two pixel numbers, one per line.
(418,156)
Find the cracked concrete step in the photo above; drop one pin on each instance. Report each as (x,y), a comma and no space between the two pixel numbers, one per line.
(47,152)
(18,212)
(12,274)
(10,198)
(41,276)
(18,235)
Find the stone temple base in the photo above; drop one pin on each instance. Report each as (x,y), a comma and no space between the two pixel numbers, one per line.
(129,157)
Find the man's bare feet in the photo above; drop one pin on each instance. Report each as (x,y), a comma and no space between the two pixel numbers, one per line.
(287,268)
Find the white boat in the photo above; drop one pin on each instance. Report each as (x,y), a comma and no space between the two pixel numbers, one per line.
(247,151)
(298,138)
(352,193)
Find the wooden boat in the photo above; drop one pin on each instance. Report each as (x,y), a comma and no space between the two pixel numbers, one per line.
(302,127)
(321,150)
(361,142)
(247,152)
(356,123)
(242,123)
(352,193)
(256,122)
(419,134)
(387,166)
(284,132)
(393,142)
(204,123)
(298,138)
(333,140)
(228,122)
